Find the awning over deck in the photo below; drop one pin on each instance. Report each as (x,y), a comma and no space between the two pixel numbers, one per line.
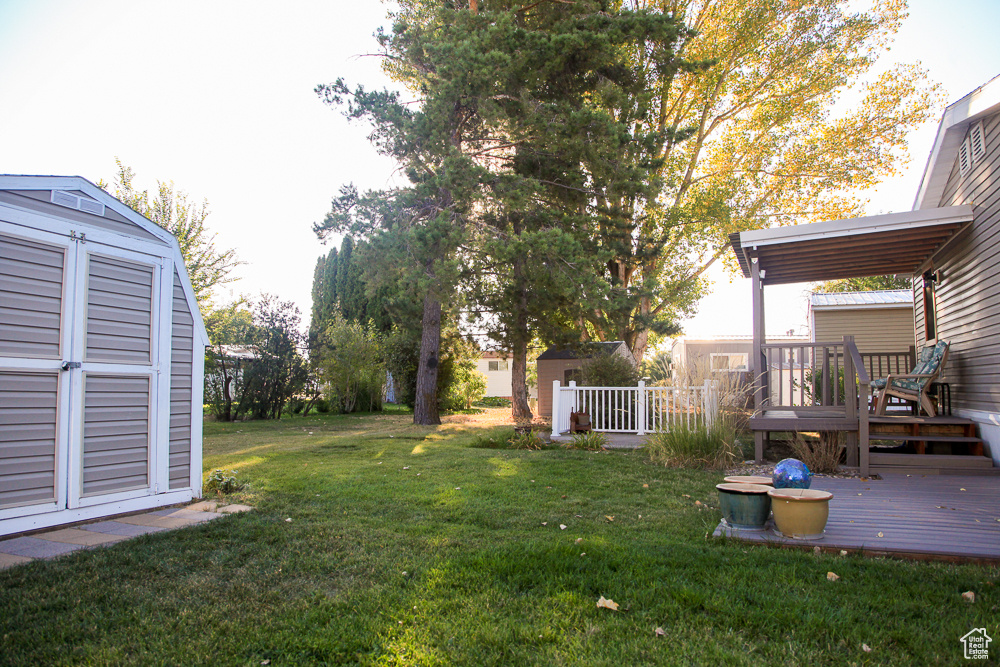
(894,243)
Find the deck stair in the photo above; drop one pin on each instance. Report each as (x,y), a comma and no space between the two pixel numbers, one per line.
(927,445)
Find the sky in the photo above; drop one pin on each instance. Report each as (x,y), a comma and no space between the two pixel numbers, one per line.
(217,96)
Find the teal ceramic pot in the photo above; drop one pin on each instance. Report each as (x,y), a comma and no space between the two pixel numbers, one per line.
(744,506)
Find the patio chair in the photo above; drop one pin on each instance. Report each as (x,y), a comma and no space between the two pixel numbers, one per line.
(579,422)
(915,385)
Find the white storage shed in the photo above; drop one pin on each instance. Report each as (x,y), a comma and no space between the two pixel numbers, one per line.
(101,349)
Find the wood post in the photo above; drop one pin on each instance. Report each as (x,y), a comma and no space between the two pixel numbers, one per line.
(758,364)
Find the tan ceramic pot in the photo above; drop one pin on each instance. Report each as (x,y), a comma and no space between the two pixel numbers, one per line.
(749,479)
(800,514)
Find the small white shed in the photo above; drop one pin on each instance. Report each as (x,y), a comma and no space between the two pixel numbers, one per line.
(101,349)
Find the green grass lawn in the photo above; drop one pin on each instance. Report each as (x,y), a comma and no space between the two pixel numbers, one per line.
(407,546)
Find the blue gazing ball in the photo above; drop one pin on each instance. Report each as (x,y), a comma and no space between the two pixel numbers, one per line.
(791,474)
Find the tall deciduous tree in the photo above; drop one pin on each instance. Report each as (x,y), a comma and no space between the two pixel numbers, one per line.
(208,267)
(783,125)
(865,284)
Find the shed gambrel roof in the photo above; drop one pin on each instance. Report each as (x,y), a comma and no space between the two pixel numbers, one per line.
(78,184)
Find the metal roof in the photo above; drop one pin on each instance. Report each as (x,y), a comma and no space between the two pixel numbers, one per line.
(894,298)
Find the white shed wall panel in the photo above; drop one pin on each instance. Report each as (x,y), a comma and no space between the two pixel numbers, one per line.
(119,310)
(28,414)
(181,360)
(115,433)
(31,276)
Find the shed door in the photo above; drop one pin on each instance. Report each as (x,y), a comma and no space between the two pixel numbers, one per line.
(33,336)
(118,352)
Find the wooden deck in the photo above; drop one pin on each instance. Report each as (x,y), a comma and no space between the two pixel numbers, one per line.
(898,442)
(954,518)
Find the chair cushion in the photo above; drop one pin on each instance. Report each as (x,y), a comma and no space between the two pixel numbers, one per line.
(583,419)
(928,363)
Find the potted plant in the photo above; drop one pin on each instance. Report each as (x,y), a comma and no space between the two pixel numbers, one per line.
(744,506)
(800,514)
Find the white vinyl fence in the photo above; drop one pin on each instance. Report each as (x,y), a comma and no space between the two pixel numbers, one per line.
(637,410)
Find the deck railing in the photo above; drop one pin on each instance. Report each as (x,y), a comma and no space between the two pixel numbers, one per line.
(638,409)
(811,375)
(823,380)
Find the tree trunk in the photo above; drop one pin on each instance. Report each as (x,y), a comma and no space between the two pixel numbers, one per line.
(519,343)
(425,409)
(519,385)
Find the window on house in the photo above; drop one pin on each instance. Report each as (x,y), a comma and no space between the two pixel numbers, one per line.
(572,375)
(930,315)
(500,365)
(724,363)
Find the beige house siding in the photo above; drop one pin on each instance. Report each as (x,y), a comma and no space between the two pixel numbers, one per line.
(968,294)
(874,329)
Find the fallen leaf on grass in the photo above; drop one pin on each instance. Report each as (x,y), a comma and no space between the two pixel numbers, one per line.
(458,488)
(406,467)
(697,503)
(685,495)
(604,603)
(969,596)
(865,647)
(584,553)
(609,518)
(646,486)
(562,526)
(579,539)
(843,553)
(545,523)
(832,576)
(564,497)
(288,520)
(659,632)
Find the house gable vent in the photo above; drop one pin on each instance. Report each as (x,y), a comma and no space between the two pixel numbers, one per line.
(69,200)
(977,142)
(964,157)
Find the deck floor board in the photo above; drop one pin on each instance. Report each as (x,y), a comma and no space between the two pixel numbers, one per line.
(932,516)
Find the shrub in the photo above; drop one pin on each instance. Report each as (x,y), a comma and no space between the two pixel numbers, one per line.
(225,481)
(822,455)
(609,370)
(526,440)
(492,402)
(322,406)
(591,441)
(497,438)
(696,446)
